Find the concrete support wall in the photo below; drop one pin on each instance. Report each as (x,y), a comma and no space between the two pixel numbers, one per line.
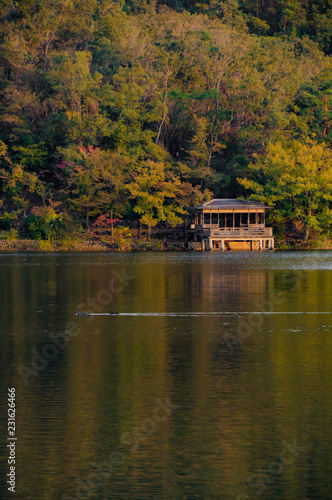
(221,245)
(194,245)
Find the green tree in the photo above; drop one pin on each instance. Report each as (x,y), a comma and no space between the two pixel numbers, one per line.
(76,97)
(19,185)
(93,180)
(136,106)
(297,179)
(80,180)
(155,191)
(45,223)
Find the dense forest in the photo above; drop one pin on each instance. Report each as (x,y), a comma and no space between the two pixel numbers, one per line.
(133,111)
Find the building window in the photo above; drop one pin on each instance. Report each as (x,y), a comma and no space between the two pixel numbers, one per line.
(214,218)
(207,219)
(237,218)
(244,220)
(229,220)
(221,220)
(252,218)
(260,218)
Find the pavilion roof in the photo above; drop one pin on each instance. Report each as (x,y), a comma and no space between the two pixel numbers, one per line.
(231,204)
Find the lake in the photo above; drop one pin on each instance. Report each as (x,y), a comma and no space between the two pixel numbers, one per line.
(213,382)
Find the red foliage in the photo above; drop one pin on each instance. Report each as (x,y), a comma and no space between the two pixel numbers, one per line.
(104,221)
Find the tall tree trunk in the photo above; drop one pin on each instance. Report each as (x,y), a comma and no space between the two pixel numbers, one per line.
(165,110)
(325,115)
(306,233)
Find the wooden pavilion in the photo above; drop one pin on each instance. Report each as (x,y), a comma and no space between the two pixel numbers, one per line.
(231,224)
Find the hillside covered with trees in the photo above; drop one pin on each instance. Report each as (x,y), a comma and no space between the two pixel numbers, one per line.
(136,110)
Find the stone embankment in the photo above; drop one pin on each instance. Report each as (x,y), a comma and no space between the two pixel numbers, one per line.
(87,246)
(49,246)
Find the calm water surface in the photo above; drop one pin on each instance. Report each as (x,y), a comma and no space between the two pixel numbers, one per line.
(232,403)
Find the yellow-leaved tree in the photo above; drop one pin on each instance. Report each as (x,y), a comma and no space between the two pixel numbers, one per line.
(296,178)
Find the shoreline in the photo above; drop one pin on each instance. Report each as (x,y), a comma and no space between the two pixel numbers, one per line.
(8,246)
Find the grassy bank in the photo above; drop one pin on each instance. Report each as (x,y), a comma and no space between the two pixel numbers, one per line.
(299,244)
(27,245)
(86,246)
(130,239)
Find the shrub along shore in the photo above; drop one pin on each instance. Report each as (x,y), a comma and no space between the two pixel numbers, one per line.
(86,245)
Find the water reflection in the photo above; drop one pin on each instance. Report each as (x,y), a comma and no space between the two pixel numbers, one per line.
(235,409)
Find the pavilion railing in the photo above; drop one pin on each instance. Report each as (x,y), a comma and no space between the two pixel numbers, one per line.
(238,232)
